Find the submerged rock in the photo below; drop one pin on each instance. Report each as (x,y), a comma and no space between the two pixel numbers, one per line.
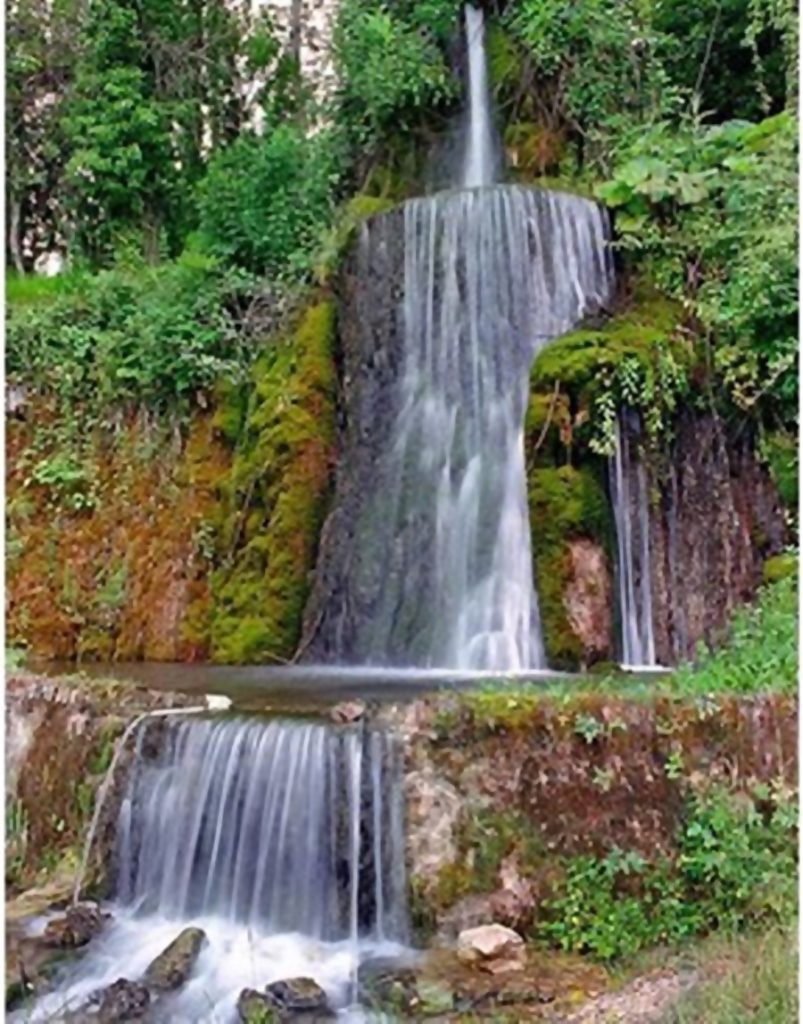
(256,1008)
(174,965)
(299,998)
(79,924)
(124,1000)
(492,948)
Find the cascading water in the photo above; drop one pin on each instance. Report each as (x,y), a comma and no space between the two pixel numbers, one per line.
(630,499)
(426,560)
(283,841)
(480,158)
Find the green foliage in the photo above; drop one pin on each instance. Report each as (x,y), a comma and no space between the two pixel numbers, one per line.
(761,652)
(132,335)
(338,238)
(391,68)
(266,201)
(565,503)
(736,866)
(712,212)
(591,67)
(779,448)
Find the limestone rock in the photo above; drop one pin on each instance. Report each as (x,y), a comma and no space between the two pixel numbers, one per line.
(78,925)
(433,808)
(124,1000)
(492,947)
(174,964)
(348,711)
(588,600)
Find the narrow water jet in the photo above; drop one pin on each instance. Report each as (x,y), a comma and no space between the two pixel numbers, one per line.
(481,160)
(630,500)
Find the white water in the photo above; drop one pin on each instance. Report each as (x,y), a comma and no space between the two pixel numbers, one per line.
(630,499)
(283,841)
(480,161)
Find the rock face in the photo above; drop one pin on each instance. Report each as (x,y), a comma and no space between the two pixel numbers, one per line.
(174,965)
(588,598)
(124,1000)
(719,517)
(433,811)
(492,948)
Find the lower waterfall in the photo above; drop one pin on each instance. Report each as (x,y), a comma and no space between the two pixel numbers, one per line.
(283,841)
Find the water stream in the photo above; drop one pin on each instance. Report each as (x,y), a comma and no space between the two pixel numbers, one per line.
(481,160)
(283,840)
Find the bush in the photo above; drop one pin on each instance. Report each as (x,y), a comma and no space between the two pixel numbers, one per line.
(266,201)
(736,867)
(155,336)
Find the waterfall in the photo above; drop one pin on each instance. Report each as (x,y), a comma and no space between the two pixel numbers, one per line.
(426,560)
(480,159)
(284,841)
(630,499)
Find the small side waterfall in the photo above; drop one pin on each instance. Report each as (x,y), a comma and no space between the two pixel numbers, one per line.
(283,841)
(630,499)
(480,159)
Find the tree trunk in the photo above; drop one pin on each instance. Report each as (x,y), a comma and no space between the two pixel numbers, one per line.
(14,241)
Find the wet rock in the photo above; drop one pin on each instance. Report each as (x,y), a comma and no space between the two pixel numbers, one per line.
(174,965)
(79,924)
(434,998)
(256,1008)
(124,1000)
(493,948)
(385,985)
(299,999)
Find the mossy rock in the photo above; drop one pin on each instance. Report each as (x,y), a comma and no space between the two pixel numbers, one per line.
(780,449)
(565,503)
(579,359)
(273,505)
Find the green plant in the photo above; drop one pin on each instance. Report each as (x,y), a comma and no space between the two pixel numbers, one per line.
(266,201)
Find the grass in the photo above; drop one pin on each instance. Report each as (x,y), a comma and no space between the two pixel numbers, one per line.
(751,979)
(30,289)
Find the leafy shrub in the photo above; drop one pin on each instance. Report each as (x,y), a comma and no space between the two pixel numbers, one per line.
(265,201)
(712,212)
(155,336)
(390,65)
(736,866)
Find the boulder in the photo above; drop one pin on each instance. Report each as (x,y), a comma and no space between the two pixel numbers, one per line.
(493,948)
(256,1008)
(347,711)
(79,924)
(174,964)
(297,998)
(387,986)
(124,1000)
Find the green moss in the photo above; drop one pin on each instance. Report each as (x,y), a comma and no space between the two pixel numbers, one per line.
(780,567)
(565,503)
(274,503)
(578,359)
(231,406)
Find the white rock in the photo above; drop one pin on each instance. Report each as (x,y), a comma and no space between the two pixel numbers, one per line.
(492,947)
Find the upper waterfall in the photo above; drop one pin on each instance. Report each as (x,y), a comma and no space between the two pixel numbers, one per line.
(480,159)
(426,560)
